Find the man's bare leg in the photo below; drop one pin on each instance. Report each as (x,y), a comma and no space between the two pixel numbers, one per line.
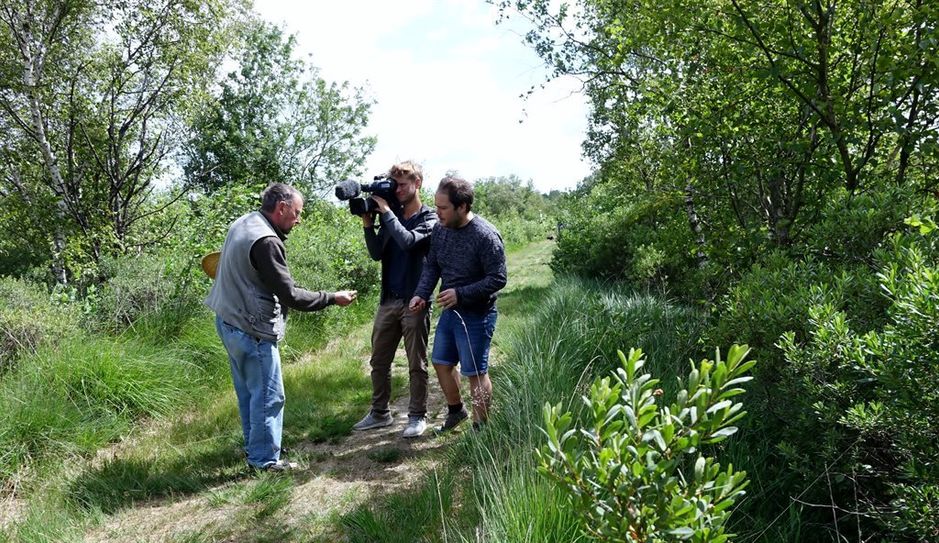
(449,379)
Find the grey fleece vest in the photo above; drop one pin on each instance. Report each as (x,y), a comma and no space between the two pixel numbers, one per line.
(238,295)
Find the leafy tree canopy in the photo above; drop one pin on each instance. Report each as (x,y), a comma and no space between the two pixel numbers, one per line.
(275,119)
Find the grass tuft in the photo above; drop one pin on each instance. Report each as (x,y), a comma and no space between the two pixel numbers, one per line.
(385,455)
(553,340)
(86,392)
(271,493)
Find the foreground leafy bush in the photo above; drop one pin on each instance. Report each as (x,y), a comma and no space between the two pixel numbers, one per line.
(870,403)
(630,473)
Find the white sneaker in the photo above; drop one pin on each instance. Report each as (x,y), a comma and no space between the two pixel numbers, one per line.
(415,427)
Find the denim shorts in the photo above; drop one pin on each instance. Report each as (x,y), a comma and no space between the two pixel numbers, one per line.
(464,336)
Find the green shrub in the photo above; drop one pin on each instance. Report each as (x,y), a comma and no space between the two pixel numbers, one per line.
(637,472)
(645,242)
(160,286)
(517,230)
(327,251)
(852,226)
(29,319)
(24,251)
(775,296)
(870,403)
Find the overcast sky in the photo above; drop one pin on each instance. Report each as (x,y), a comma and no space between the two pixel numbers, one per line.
(446,80)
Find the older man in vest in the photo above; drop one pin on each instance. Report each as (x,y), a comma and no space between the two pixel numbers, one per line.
(252,291)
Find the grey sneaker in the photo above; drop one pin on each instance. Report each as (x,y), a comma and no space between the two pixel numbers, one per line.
(415,427)
(452,420)
(371,421)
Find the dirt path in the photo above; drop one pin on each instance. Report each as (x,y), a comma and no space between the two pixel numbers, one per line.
(335,477)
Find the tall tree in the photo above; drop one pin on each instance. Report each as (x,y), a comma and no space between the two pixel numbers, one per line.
(41,37)
(275,119)
(752,100)
(92,92)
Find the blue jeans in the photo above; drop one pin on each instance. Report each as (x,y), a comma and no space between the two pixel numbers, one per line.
(465,337)
(259,386)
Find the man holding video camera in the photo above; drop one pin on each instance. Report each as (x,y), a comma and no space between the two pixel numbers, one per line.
(401,243)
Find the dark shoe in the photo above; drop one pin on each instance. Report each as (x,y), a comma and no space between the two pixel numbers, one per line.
(452,420)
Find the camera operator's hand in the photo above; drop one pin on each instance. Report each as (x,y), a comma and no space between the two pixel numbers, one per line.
(346,297)
(417,304)
(381,202)
(368,220)
(447,298)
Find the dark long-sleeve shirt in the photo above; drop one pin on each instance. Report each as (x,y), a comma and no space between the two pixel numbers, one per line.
(470,259)
(269,257)
(401,245)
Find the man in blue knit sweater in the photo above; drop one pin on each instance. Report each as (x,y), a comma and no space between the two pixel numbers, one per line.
(467,256)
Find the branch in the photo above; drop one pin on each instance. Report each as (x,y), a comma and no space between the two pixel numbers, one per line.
(772,61)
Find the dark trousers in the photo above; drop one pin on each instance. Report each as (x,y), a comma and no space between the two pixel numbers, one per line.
(394,320)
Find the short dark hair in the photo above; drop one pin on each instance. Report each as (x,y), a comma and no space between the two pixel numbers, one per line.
(459,190)
(276,193)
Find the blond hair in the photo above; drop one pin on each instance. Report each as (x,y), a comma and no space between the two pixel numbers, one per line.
(408,169)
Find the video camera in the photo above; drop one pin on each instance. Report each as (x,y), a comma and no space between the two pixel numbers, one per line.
(381,186)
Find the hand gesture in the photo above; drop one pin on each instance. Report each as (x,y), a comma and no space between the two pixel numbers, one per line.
(346,297)
(447,298)
(417,304)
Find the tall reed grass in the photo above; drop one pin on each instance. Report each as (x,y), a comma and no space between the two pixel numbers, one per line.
(551,354)
(74,397)
(573,337)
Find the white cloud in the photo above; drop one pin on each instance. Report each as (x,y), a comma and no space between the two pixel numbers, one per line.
(447,82)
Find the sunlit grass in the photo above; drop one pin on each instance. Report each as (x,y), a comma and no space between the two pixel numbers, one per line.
(553,338)
(93,391)
(420,514)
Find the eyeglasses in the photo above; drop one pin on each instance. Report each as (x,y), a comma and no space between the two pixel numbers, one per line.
(296,210)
